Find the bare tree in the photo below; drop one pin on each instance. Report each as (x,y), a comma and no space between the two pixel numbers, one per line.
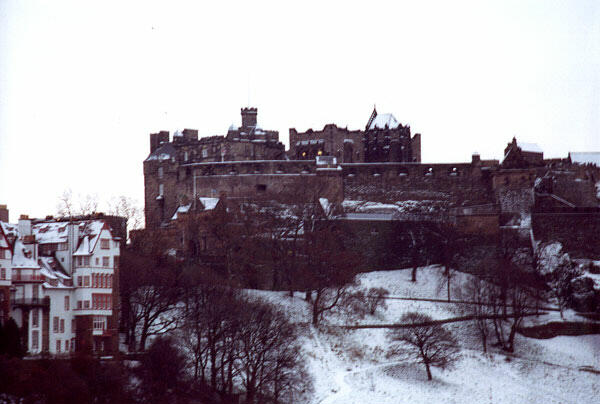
(268,355)
(376,299)
(328,271)
(127,207)
(150,288)
(558,271)
(88,204)
(431,345)
(65,207)
(478,292)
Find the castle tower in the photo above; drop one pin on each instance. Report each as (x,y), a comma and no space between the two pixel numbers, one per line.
(249,117)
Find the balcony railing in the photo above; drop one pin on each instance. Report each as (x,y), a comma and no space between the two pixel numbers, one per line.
(17,277)
(31,301)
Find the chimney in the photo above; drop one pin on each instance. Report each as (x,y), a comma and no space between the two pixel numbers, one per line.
(190,134)
(157,139)
(3,213)
(24,226)
(249,117)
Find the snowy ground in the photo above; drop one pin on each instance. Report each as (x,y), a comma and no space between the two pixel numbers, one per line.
(352,366)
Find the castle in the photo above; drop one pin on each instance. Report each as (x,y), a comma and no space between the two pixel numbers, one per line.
(380,164)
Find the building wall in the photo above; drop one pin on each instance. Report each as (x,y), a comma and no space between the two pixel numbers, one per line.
(577,229)
(461,183)
(346,145)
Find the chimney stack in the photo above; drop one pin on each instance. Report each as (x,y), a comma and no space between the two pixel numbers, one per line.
(3,213)
(24,226)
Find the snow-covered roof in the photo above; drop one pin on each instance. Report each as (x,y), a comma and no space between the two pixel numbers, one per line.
(22,258)
(165,152)
(181,209)
(10,230)
(84,247)
(54,232)
(585,157)
(209,203)
(326,205)
(383,121)
(529,147)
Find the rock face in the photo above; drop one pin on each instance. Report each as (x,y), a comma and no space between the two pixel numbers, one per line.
(584,297)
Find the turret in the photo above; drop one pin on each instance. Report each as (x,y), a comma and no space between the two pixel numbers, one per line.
(249,117)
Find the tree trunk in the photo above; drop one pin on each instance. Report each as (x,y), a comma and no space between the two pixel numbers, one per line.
(484,341)
(447,273)
(428,371)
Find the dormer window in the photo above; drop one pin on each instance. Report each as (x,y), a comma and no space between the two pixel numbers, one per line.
(105,244)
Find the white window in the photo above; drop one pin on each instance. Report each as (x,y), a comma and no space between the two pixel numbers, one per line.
(55,325)
(185,156)
(67,303)
(160,172)
(86,261)
(35,318)
(35,339)
(161,189)
(99,323)
(204,153)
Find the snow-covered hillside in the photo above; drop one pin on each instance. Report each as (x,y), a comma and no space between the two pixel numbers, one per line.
(352,366)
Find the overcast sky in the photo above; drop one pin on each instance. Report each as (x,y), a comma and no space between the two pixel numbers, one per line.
(83,84)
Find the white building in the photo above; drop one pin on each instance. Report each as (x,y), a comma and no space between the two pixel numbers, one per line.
(60,275)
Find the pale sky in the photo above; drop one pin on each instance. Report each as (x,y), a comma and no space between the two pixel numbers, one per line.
(83,84)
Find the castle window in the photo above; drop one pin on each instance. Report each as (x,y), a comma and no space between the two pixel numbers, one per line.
(454,171)
(35,338)
(320,153)
(161,189)
(185,156)
(204,153)
(402,172)
(160,172)
(261,187)
(429,171)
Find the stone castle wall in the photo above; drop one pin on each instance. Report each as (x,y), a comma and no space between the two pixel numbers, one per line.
(459,184)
